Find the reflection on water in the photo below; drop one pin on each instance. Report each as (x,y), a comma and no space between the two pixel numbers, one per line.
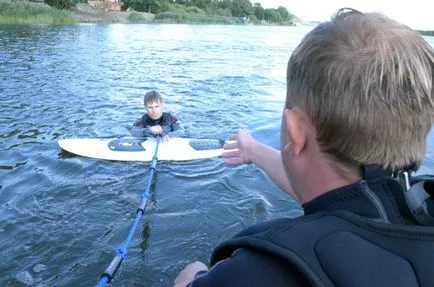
(63,154)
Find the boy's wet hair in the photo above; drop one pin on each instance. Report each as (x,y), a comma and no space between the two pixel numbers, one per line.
(366,83)
(152,96)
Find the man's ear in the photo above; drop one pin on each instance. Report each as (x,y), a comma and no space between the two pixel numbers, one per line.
(295,133)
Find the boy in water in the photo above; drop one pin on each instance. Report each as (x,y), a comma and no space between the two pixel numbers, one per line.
(155,122)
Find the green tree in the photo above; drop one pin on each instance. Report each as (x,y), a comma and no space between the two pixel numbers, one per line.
(272,15)
(241,8)
(203,4)
(182,2)
(253,19)
(286,16)
(258,11)
(59,4)
(221,7)
(151,6)
(223,4)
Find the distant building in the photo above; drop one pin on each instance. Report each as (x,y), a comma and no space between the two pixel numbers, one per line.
(109,6)
(300,22)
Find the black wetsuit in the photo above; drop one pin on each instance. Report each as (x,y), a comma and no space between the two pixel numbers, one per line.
(362,234)
(168,122)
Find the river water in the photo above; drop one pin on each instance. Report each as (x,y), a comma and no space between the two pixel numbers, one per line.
(61,217)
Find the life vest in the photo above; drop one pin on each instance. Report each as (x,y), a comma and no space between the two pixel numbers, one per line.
(341,248)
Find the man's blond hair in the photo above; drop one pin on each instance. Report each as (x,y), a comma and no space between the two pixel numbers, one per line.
(366,82)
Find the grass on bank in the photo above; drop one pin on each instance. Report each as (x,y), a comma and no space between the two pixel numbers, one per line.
(184,18)
(186,15)
(32,13)
(193,15)
(193,18)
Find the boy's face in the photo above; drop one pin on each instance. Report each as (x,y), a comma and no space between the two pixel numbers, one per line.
(154,109)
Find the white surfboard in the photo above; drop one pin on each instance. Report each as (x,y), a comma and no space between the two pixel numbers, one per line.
(133,149)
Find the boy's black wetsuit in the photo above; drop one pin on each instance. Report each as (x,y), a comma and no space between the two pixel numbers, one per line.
(168,122)
(363,234)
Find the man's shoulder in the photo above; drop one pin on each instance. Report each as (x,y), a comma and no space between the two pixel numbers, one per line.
(334,237)
(264,226)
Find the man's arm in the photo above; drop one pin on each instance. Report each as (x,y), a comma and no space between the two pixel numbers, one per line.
(243,149)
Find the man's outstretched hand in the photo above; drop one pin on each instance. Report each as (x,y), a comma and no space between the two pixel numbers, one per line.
(238,148)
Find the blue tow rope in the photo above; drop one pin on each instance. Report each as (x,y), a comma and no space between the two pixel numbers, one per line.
(121,251)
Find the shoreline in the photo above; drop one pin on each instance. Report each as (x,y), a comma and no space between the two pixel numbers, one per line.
(83,13)
(41,13)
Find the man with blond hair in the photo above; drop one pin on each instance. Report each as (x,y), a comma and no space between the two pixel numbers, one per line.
(358,110)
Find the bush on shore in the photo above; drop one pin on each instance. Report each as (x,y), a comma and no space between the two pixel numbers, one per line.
(136,18)
(193,18)
(32,13)
(60,4)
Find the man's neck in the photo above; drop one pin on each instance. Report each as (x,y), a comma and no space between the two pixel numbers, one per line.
(321,179)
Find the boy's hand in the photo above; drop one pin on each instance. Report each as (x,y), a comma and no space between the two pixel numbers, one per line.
(165,138)
(156,130)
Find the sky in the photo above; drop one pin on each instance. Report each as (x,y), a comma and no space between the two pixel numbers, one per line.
(418,14)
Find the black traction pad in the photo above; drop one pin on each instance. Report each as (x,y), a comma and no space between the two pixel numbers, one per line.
(136,144)
(126,145)
(206,144)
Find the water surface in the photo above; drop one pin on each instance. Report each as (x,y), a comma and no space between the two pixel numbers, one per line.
(62,218)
